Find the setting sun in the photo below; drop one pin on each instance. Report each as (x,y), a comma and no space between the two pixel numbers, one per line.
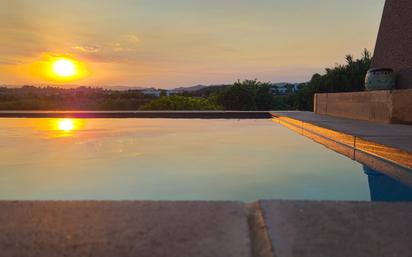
(64,68)
(59,68)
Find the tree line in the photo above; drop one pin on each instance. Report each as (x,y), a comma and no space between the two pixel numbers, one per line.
(348,77)
(82,98)
(251,95)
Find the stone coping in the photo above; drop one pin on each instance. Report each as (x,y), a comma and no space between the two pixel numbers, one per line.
(338,229)
(384,147)
(139,114)
(212,229)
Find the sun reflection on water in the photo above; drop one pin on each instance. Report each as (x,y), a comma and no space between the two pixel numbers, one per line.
(65,127)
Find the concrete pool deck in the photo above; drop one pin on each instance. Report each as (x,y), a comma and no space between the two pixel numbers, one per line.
(212,229)
(383,147)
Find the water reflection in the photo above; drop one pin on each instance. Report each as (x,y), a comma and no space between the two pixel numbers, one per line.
(169,159)
(66,125)
(63,127)
(385,188)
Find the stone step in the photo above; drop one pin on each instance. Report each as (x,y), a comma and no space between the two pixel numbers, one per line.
(260,229)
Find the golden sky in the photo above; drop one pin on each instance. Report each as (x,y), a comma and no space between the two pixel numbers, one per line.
(168,43)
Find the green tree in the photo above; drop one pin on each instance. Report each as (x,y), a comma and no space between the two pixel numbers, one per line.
(248,95)
(264,97)
(349,77)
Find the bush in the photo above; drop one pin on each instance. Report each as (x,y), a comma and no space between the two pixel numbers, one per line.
(342,78)
(248,95)
(174,103)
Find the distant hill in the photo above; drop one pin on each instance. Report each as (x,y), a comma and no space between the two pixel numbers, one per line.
(123,88)
(198,90)
(206,91)
(189,89)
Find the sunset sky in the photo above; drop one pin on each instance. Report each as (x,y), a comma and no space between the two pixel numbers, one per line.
(168,43)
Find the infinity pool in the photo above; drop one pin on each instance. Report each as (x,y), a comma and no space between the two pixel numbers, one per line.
(173,159)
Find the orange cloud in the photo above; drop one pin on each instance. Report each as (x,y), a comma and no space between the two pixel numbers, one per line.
(87,48)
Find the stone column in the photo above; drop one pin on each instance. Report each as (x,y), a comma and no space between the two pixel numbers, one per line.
(394,44)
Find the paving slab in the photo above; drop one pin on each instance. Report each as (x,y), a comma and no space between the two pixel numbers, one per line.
(338,229)
(396,141)
(121,229)
(394,135)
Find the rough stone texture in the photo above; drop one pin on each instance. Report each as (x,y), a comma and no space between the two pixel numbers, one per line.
(320,103)
(338,229)
(394,44)
(188,229)
(355,105)
(379,106)
(261,244)
(121,229)
(402,106)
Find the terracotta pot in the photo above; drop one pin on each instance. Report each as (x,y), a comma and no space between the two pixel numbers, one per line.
(380,79)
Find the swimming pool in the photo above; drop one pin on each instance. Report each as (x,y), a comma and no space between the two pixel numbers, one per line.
(177,159)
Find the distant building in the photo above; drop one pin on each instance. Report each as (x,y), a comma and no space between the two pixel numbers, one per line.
(285,88)
(152,92)
(171,92)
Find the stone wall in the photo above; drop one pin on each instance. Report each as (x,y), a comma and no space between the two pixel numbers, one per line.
(380,106)
(394,44)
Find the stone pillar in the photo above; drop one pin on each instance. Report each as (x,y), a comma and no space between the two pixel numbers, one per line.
(394,44)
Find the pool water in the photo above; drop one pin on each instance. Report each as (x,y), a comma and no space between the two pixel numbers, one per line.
(172,159)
